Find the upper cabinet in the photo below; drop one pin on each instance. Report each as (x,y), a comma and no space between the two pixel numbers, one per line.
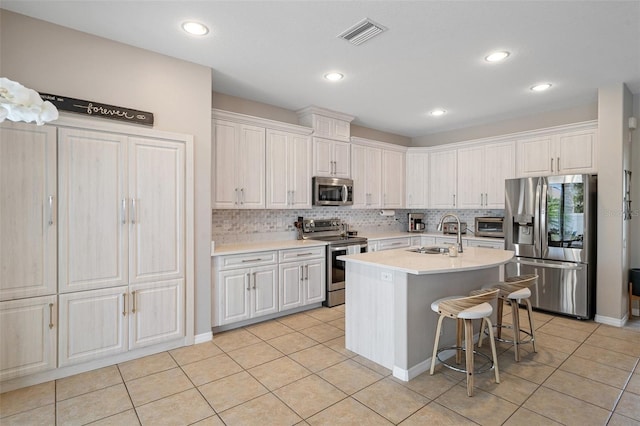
(417,179)
(442,179)
(561,152)
(393,179)
(326,123)
(482,170)
(288,170)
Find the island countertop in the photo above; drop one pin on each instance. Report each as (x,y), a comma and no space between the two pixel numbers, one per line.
(403,260)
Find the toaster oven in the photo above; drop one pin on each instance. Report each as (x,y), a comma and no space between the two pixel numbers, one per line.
(452,227)
(490,227)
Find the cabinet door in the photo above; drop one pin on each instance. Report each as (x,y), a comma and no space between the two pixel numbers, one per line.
(226,139)
(264,289)
(28,222)
(291,281)
(342,158)
(232,289)
(534,157)
(341,129)
(322,157)
(28,329)
(93,230)
(499,162)
(251,167)
(417,180)
(374,177)
(93,324)
(157,313)
(442,179)
(157,210)
(278,161)
(314,282)
(392,179)
(300,171)
(471,183)
(359,176)
(576,152)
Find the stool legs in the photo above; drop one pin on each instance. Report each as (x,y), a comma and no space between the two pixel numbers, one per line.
(468,347)
(515,321)
(436,344)
(533,333)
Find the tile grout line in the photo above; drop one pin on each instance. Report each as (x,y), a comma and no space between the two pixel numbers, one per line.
(615,405)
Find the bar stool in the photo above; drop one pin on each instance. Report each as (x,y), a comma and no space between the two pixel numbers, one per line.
(515,290)
(464,309)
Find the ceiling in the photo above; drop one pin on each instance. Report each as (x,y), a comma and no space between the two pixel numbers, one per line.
(432,54)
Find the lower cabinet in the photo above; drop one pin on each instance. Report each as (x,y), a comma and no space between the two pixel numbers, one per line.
(302,282)
(389,244)
(247,293)
(487,244)
(28,335)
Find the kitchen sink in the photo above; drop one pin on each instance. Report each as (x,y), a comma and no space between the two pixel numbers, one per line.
(430,250)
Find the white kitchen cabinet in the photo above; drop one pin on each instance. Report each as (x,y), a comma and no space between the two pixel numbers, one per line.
(450,240)
(393,171)
(486,244)
(288,177)
(417,180)
(366,172)
(302,277)
(426,241)
(28,332)
(331,158)
(326,123)
(247,293)
(561,153)
(239,165)
(28,220)
(482,170)
(442,179)
(393,243)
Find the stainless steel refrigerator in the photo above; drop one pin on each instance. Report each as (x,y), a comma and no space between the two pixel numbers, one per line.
(550,224)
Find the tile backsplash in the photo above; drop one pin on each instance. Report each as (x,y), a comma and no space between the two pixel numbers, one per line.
(237,226)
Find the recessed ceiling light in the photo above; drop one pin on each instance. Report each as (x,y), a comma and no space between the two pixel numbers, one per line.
(541,87)
(195,28)
(334,76)
(438,112)
(497,56)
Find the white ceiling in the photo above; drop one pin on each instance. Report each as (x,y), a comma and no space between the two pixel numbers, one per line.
(431,56)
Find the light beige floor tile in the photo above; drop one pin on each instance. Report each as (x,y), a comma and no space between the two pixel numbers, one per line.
(126,418)
(543,355)
(349,376)
(180,409)
(338,345)
(210,421)
(524,417)
(556,343)
(292,342)
(234,339)
(565,409)
(627,347)
(337,323)
(310,395)
(253,355)
(634,384)
(322,333)
(93,406)
(269,330)
(45,416)
(372,365)
(564,332)
(629,406)
(432,386)
(511,388)
(607,357)
(347,412)
(266,409)
(595,371)
(618,420)
(588,390)
(87,382)
(232,390)
(147,365)
(588,326)
(626,334)
(279,372)
(525,369)
(436,414)
(317,357)
(157,386)
(483,408)
(193,353)
(326,314)
(391,400)
(299,321)
(26,399)
(210,369)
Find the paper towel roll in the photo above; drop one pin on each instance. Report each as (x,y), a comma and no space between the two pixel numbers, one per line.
(387,212)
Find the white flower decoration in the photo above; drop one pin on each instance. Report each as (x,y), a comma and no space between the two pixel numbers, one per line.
(18,103)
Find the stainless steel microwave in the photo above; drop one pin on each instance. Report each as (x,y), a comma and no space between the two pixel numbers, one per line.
(332,191)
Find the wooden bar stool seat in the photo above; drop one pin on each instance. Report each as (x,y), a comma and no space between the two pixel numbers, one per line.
(464,310)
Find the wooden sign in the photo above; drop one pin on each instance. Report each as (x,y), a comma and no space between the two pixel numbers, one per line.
(95,109)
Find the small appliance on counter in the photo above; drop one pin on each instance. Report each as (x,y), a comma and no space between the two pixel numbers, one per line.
(452,227)
(416,222)
(487,226)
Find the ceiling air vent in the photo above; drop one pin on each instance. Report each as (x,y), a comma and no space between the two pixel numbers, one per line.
(362,31)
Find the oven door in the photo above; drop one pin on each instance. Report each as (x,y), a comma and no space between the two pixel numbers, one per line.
(336,268)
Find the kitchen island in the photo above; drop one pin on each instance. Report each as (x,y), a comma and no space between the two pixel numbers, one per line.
(388,301)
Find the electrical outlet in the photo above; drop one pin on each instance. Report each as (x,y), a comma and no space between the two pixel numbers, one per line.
(386,276)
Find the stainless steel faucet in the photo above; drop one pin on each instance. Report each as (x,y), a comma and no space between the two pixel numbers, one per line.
(459,234)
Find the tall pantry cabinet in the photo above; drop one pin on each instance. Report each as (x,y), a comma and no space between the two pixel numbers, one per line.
(124,264)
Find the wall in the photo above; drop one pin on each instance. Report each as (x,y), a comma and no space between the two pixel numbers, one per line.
(539,121)
(634,257)
(58,60)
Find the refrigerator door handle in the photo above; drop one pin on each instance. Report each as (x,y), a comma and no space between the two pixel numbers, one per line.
(572,267)
(541,232)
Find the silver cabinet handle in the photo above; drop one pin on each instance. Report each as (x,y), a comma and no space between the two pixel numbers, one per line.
(237,197)
(135,302)
(301,273)
(454,200)
(124,304)
(50,209)
(549,265)
(304,254)
(123,211)
(252,260)
(293,197)
(552,164)
(241,195)
(254,280)
(249,282)
(558,163)
(133,211)
(50,316)
(306,275)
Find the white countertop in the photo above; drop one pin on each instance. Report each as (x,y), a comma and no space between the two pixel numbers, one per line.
(241,248)
(385,235)
(472,258)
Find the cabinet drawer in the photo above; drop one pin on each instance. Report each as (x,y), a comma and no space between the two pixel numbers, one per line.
(487,244)
(394,243)
(247,260)
(301,254)
(450,240)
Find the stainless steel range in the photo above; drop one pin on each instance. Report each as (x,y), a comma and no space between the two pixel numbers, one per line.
(334,231)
